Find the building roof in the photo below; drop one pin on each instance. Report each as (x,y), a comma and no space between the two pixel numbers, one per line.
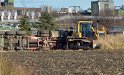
(106,0)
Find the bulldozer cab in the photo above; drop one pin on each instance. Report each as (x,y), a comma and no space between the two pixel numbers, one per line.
(85,29)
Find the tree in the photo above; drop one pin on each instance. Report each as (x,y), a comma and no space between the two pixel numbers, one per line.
(25,24)
(46,22)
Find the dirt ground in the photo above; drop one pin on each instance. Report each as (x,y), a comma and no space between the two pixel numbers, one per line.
(69,62)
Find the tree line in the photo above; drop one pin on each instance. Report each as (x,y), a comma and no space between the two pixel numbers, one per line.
(45,22)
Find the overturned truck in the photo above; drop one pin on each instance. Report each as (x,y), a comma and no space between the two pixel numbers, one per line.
(65,39)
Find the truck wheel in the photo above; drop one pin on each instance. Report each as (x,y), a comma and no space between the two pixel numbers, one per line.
(11,32)
(2,32)
(21,32)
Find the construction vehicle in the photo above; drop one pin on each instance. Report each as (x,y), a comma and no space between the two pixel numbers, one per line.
(91,30)
(84,37)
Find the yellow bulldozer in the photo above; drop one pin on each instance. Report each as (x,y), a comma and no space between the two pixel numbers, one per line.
(90,29)
(74,39)
(84,38)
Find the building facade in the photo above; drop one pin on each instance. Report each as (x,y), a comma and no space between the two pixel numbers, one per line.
(10,13)
(102,7)
(9,3)
(7,14)
(46,8)
(64,10)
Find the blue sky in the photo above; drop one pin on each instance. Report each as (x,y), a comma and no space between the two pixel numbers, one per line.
(59,3)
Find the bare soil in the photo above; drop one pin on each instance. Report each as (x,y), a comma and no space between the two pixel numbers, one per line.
(69,62)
